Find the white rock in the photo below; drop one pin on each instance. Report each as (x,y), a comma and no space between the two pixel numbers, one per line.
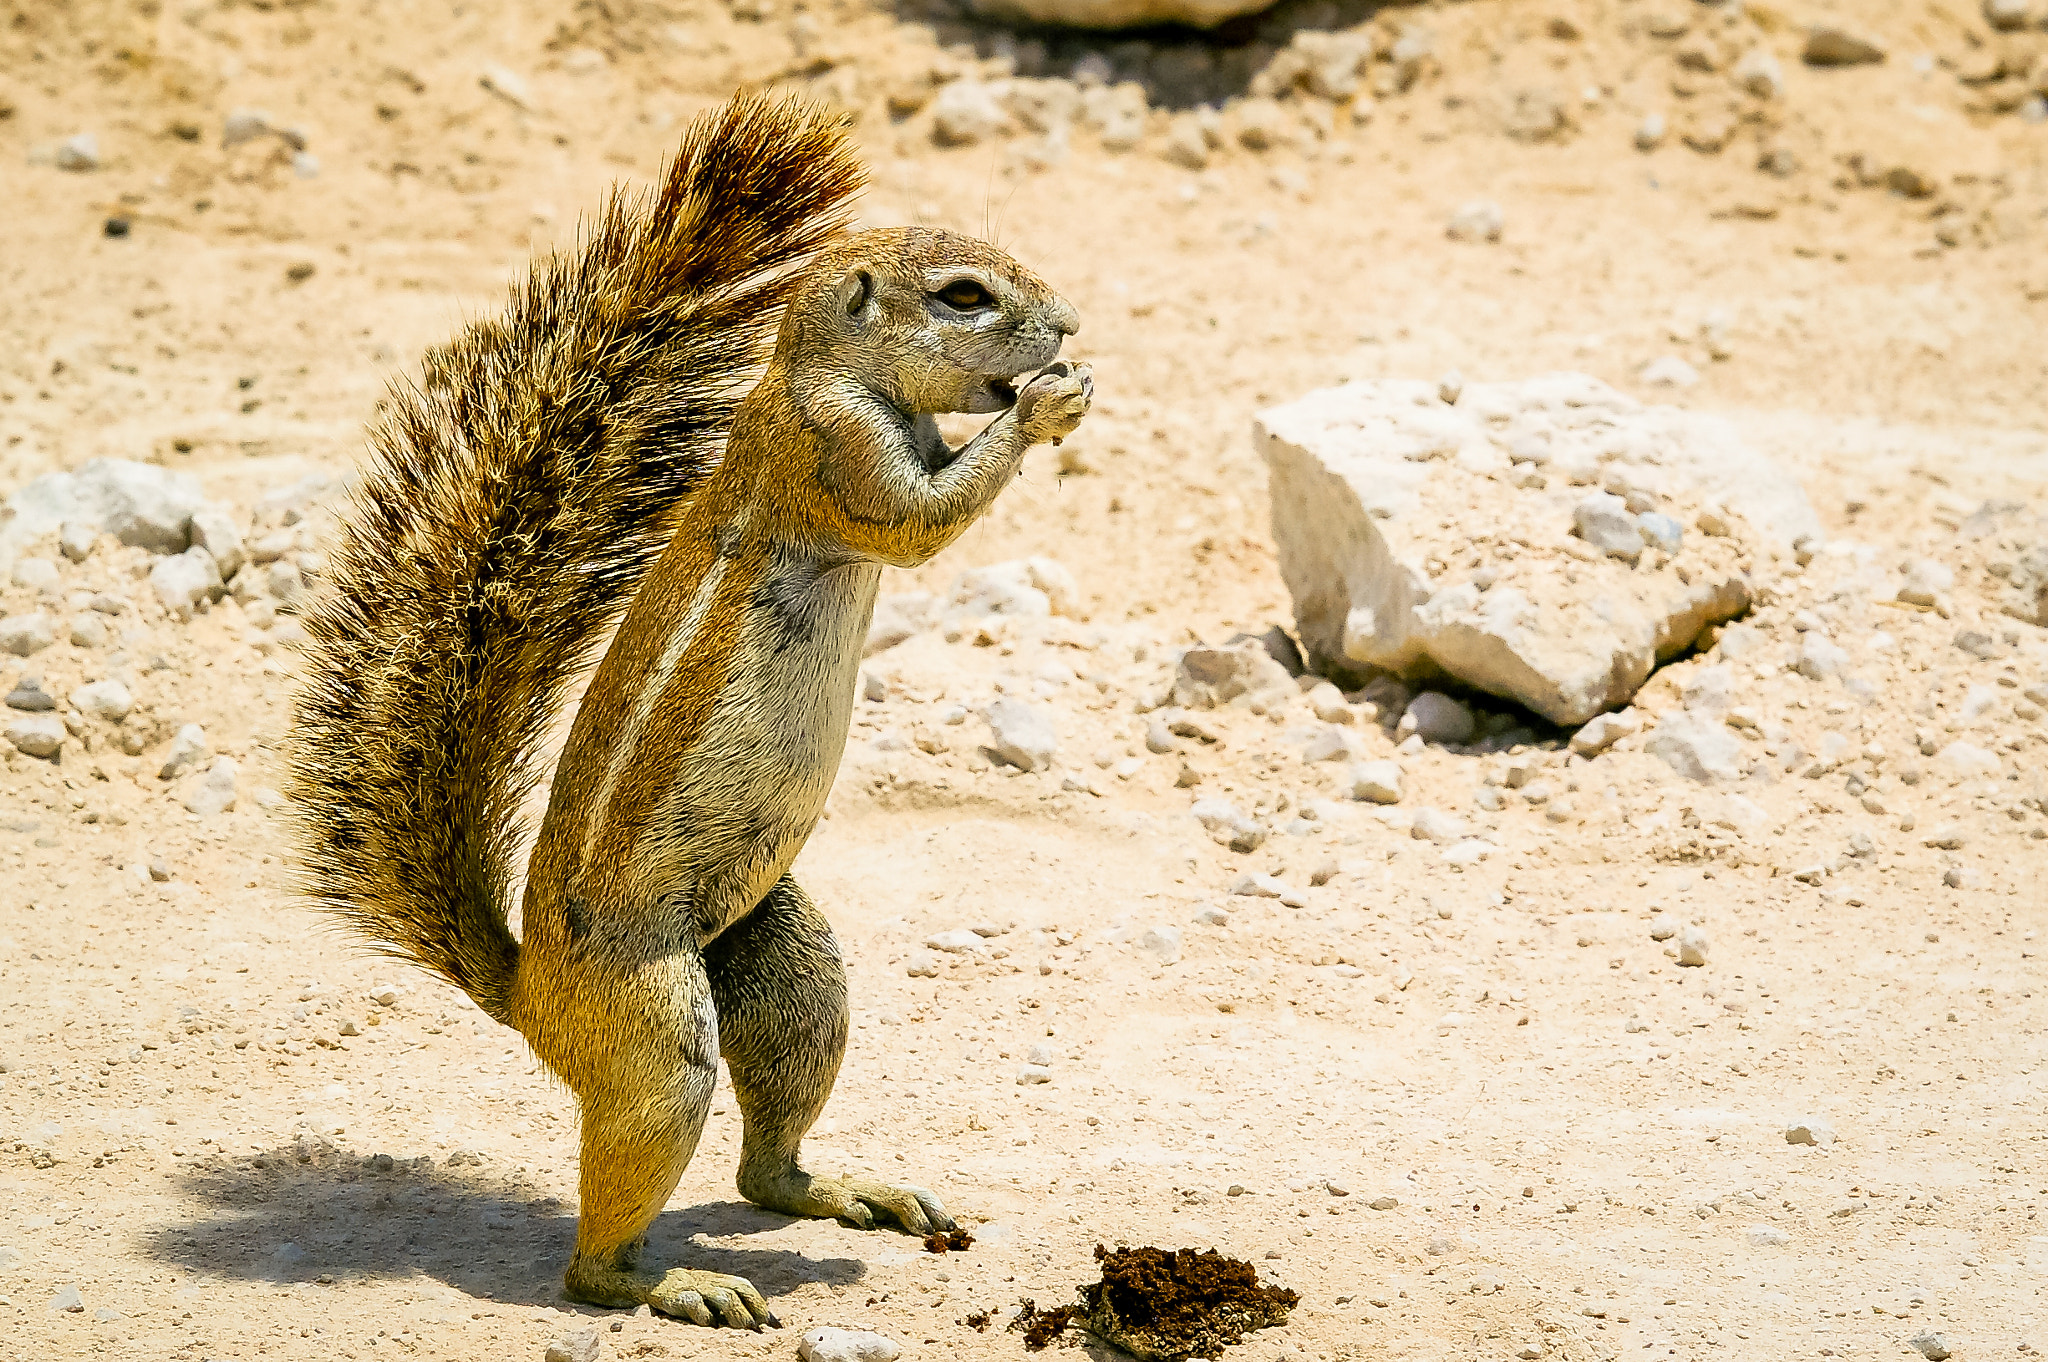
(214,793)
(1209,678)
(968,111)
(1927,582)
(1026,587)
(1437,718)
(847,1345)
(1664,926)
(1468,851)
(88,631)
(284,581)
(1931,1345)
(1215,813)
(1695,748)
(27,635)
(1605,522)
(1259,886)
(1365,477)
(1820,657)
(37,735)
(1604,731)
(75,540)
(140,504)
(1021,735)
(1160,943)
(188,749)
(79,152)
(108,700)
(1650,132)
(213,529)
(1814,1130)
(183,581)
(1967,759)
(35,574)
(1479,220)
(1331,743)
(1028,1074)
(1759,72)
(578,1345)
(1767,1236)
(922,965)
(1692,946)
(1328,704)
(506,84)
(1434,825)
(1375,782)
(957,942)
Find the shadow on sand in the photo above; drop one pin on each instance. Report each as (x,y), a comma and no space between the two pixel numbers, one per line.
(300,1215)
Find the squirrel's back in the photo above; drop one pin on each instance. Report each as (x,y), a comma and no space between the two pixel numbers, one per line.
(514,500)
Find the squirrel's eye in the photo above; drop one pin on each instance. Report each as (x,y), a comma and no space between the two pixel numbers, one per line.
(965,294)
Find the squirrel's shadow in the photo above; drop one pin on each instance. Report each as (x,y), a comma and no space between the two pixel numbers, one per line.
(282,1216)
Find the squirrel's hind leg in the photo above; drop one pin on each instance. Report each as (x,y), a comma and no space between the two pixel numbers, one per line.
(644,1092)
(780,987)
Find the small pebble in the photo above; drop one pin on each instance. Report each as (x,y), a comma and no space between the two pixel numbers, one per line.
(29,696)
(1162,944)
(1479,220)
(847,1345)
(37,735)
(578,1345)
(1021,735)
(1375,782)
(1692,946)
(1814,1130)
(1437,718)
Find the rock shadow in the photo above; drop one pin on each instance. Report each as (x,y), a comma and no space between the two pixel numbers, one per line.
(330,1216)
(1180,68)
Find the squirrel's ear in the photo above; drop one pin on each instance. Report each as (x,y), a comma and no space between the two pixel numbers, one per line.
(855,292)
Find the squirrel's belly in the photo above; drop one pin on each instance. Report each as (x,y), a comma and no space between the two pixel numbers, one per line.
(746,796)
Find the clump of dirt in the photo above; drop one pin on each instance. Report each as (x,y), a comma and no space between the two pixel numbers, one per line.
(952,1241)
(1165,1305)
(979,1321)
(1041,1327)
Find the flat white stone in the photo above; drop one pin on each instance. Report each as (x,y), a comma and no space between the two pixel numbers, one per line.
(1434,540)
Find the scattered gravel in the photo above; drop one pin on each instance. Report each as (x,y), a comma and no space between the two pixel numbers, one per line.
(1021,735)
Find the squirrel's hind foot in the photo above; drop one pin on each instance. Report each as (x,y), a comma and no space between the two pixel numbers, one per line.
(856,1202)
(709,1298)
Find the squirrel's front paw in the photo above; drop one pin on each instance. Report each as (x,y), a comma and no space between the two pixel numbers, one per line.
(1053,403)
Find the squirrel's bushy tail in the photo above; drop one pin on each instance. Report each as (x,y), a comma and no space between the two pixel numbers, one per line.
(514,500)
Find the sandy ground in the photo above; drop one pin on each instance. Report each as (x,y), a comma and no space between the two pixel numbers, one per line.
(1474,1111)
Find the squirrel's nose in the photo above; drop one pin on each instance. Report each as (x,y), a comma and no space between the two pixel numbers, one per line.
(1061,317)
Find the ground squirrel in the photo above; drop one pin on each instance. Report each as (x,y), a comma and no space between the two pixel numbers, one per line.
(546,464)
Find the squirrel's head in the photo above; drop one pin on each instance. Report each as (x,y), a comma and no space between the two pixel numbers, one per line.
(930,321)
